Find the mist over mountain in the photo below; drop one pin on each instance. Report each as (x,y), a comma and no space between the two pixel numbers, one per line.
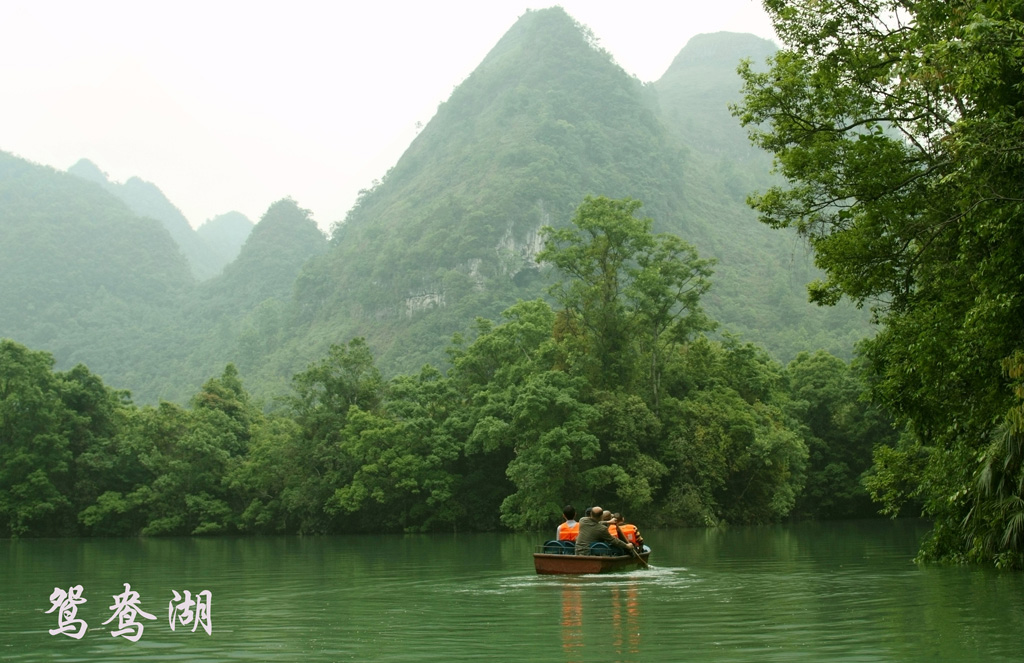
(269,261)
(448,235)
(205,257)
(761,276)
(695,91)
(225,234)
(83,276)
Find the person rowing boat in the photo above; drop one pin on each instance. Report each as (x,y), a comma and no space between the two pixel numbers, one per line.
(592,530)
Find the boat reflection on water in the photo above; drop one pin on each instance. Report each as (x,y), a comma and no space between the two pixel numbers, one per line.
(572,623)
(621,615)
(626,619)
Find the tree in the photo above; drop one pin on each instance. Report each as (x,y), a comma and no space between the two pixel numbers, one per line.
(94,415)
(35,454)
(325,392)
(168,467)
(995,523)
(404,457)
(598,254)
(628,291)
(842,429)
(670,281)
(899,127)
(729,448)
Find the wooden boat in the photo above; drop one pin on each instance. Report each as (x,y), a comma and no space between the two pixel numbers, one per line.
(558,558)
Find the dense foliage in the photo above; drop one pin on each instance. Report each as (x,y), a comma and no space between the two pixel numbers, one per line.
(899,126)
(616,397)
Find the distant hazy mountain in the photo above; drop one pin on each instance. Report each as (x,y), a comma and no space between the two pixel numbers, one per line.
(244,314)
(270,260)
(83,276)
(696,90)
(225,234)
(145,199)
(762,274)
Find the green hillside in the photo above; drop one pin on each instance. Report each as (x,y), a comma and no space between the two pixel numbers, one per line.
(205,258)
(449,235)
(760,288)
(225,234)
(244,314)
(546,119)
(85,278)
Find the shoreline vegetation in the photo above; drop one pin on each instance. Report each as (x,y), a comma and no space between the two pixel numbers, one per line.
(895,132)
(622,399)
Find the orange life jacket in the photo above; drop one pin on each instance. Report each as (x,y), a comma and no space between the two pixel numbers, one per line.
(567,532)
(630,532)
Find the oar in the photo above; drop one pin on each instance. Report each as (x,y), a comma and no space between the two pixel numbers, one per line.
(642,560)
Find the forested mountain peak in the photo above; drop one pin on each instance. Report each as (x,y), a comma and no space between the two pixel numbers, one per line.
(225,234)
(286,236)
(697,88)
(721,50)
(269,261)
(543,88)
(146,199)
(546,119)
(38,200)
(88,170)
(539,38)
(83,276)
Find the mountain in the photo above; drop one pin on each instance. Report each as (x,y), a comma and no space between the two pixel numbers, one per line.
(449,235)
(269,261)
(695,92)
(225,234)
(451,231)
(146,199)
(762,273)
(546,119)
(241,315)
(83,276)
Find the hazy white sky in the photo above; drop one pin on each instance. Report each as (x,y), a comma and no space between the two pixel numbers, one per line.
(229,105)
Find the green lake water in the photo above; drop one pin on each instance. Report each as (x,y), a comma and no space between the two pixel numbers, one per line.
(832,592)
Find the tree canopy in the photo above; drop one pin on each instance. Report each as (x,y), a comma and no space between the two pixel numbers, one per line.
(675,429)
(898,126)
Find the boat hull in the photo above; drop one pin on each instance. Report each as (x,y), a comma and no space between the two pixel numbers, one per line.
(546,564)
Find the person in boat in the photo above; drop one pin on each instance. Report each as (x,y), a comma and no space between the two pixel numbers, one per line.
(613,528)
(627,531)
(593,529)
(568,530)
